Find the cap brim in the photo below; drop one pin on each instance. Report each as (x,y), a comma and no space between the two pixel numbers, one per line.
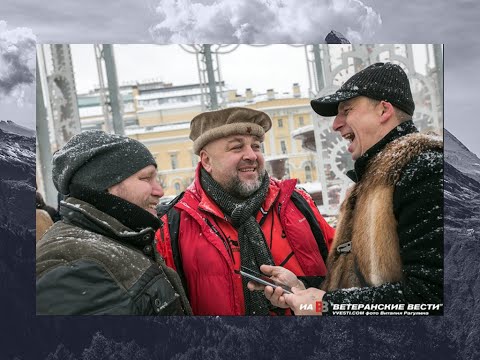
(328,105)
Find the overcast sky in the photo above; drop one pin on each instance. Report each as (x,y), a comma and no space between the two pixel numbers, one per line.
(453,23)
(259,68)
(277,66)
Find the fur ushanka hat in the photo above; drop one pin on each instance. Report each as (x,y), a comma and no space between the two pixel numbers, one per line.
(213,125)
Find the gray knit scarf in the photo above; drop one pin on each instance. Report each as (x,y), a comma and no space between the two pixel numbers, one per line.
(253,247)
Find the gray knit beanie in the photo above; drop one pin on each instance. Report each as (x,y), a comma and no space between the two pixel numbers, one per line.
(213,125)
(380,81)
(98,160)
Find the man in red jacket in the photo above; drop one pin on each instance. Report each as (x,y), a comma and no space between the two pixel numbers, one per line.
(235,215)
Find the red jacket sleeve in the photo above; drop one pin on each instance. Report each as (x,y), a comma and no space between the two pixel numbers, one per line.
(163,244)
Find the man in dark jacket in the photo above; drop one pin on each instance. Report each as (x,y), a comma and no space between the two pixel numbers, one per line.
(388,246)
(99,258)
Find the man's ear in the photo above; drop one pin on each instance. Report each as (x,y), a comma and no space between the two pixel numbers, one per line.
(206,161)
(387,111)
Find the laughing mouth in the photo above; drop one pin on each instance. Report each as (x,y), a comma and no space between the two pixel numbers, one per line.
(247,169)
(152,207)
(349,137)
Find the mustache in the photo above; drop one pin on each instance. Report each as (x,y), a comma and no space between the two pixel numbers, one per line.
(249,163)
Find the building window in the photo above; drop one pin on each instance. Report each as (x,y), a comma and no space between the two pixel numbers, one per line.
(283,146)
(300,121)
(308,173)
(177,188)
(280,123)
(173,161)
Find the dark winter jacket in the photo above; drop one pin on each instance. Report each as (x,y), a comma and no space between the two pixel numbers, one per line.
(90,263)
(390,232)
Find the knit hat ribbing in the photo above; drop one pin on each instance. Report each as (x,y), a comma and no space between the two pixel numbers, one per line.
(380,81)
(98,160)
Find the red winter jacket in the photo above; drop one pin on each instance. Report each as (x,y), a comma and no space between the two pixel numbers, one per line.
(209,252)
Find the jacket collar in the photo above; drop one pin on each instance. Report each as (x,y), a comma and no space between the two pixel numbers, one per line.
(88,217)
(129,214)
(360,166)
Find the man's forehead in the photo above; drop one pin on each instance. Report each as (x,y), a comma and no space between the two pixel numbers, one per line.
(241,138)
(148,169)
(225,142)
(348,102)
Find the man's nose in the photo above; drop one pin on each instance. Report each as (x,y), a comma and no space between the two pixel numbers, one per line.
(249,154)
(338,123)
(157,189)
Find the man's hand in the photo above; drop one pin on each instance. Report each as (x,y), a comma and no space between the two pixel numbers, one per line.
(278,274)
(308,296)
(281,276)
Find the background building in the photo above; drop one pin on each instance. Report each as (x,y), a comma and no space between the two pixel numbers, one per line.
(159,115)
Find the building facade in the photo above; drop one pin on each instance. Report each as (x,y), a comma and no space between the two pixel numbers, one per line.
(159,116)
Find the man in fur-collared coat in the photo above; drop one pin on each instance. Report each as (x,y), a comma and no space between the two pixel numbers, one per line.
(388,246)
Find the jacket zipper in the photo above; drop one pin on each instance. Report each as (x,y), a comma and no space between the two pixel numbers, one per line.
(224,241)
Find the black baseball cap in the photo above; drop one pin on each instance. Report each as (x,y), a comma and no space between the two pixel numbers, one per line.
(380,81)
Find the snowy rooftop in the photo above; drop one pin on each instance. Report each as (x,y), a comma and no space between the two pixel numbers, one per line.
(302,130)
(170,93)
(276,157)
(311,187)
(167,106)
(158,128)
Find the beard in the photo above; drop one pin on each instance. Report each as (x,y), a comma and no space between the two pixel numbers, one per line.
(136,199)
(242,190)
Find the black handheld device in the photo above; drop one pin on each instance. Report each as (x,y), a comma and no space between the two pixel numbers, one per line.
(263,279)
